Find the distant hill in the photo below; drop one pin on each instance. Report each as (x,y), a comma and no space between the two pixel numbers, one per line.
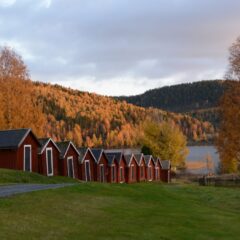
(86,119)
(198,99)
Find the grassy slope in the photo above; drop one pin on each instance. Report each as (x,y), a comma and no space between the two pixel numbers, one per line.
(12,176)
(140,211)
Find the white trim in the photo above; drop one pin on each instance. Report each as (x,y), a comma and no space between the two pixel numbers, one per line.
(70,143)
(102,165)
(123,178)
(49,149)
(86,170)
(150,171)
(70,158)
(25,146)
(131,167)
(88,149)
(43,148)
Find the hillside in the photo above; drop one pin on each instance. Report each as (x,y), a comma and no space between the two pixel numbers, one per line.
(198,99)
(87,119)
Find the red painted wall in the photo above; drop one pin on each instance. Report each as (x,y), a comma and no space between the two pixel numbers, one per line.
(42,160)
(140,177)
(158,176)
(63,162)
(81,168)
(148,178)
(124,167)
(129,172)
(103,160)
(110,173)
(165,175)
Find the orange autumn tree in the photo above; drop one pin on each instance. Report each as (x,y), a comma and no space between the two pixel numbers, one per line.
(228,142)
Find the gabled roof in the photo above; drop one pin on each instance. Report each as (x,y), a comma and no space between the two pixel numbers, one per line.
(43,144)
(157,160)
(129,158)
(12,139)
(139,157)
(118,156)
(82,153)
(97,153)
(64,146)
(111,158)
(148,158)
(166,164)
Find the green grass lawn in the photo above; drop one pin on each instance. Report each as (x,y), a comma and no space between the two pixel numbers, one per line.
(138,211)
(11,176)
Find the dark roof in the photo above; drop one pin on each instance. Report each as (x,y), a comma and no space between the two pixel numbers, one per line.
(138,158)
(128,158)
(82,152)
(118,156)
(110,159)
(97,152)
(166,164)
(11,139)
(147,159)
(43,142)
(63,146)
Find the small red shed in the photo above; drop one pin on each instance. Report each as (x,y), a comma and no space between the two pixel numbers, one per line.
(131,173)
(87,165)
(68,165)
(150,167)
(157,175)
(141,172)
(18,150)
(48,157)
(165,171)
(112,169)
(121,166)
(101,166)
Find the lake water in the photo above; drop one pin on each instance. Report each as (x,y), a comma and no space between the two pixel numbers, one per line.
(196,160)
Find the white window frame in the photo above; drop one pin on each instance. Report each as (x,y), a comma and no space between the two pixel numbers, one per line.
(25,146)
(70,158)
(86,170)
(157,173)
(150,173)
(121,177)
(49,149)
(100,166)
(113,171)
(132,167)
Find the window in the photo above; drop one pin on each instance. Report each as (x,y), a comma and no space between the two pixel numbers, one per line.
(113,173)
(142,171)
(150,172)
(27,158)
(70,167)
(49,161)
(121,174)
(132,172)
(101,173)
(87,171)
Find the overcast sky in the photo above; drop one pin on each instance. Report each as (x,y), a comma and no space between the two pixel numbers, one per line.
(121,47)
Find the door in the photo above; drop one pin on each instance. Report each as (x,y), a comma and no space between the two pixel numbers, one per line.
(70,167)
(49,159)
(28,158)
(102,173)
(87,171)
(113,173)
(121,174)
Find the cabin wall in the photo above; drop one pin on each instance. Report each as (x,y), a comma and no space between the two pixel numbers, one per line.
(43,163)
(8,159)
(141,177)
(130,178)
(122,165)
(29,140)
(92,167)
(64,168)
(103,160)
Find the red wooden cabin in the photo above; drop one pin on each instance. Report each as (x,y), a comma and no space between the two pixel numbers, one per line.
(68,163)
(48,157)
(121,166)
(150,167)
(157,174)
(165,171)
(18,150)
(112,169)
(101,166)
(131,173)
(141,172)
(87,165)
